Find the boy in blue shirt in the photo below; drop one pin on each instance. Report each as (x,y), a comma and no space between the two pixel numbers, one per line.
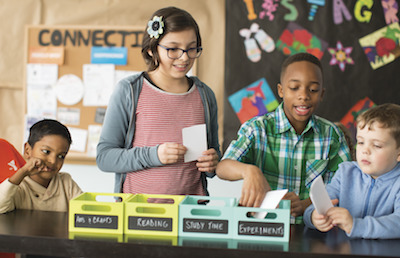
(367,191)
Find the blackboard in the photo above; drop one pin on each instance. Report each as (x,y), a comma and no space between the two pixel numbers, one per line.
(343,88)
(96,221)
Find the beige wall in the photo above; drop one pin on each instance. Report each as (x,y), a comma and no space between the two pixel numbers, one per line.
(209,14)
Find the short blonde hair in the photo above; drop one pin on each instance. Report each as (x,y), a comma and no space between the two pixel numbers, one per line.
(387,115)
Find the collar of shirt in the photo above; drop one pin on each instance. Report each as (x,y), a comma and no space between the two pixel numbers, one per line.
(282,122)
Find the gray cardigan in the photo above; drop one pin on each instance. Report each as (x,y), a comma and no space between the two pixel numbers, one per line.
(114,150)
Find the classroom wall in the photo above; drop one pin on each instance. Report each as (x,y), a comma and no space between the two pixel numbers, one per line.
(210,15)
(356,41)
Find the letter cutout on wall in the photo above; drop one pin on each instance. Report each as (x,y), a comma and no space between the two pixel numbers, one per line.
(293,14)
(360,13)
(390,8)
(250,8)
(340,10)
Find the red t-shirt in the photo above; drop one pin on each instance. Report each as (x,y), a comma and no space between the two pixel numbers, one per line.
(10,160)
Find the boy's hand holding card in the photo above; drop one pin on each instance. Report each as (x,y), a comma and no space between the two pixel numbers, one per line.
(319,196)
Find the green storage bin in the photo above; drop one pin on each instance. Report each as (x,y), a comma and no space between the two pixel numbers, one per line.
(205,216)
(152,214)
(274,227)
(97,213)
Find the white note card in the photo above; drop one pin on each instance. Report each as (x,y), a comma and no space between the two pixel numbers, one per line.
(271,201)
(195,140)
(319,196)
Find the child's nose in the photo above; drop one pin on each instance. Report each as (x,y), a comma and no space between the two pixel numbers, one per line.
(303,94)
(185,56)
(365,150)
(51,160)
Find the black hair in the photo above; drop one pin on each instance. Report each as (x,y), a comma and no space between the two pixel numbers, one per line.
(174,20)
(298,58)
(47,127)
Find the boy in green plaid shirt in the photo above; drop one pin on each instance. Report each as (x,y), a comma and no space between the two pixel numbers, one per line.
(290,147)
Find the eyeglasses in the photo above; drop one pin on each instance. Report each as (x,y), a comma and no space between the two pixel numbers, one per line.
(175,53)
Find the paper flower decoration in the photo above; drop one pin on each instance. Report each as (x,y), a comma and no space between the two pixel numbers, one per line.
(341,56)
(155,27)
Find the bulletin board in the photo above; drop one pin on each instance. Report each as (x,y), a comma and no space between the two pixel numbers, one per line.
(75,45)
(357,42)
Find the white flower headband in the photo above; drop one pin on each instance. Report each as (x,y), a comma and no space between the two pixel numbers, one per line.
(155,27)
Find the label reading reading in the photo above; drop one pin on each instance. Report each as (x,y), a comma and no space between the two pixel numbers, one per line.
(150,223)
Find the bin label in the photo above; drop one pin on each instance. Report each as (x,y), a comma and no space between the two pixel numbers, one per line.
(150,223)
(205,226)
(96,221)
(261,229)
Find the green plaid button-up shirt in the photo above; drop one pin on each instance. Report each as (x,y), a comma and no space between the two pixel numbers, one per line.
(288,160)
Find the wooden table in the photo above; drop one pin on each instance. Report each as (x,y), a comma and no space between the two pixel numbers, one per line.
(46,233)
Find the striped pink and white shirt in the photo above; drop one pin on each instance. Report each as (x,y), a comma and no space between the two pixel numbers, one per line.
(160,117)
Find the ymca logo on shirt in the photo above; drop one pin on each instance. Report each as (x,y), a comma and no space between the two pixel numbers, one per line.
(12,165)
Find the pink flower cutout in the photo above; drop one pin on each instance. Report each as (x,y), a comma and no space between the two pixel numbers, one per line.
(341,56)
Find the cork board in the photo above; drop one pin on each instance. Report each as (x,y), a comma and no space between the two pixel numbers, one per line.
(73,45)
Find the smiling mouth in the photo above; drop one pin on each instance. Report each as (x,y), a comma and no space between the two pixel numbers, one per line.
(302,110)
(181,66)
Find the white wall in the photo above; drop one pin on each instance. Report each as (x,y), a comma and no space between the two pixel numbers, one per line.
(91,179)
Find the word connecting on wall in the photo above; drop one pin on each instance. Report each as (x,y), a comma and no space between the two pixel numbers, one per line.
(89,37)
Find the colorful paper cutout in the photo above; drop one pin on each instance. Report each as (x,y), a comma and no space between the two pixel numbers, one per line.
(269,7)
(293,13)
(250,8)
(46,55)
(314,7)
(295,39)
(340,56)
(349,120)
(340,10)
(263,39)
(382,46)
(254,100)
(362,10)
(390,9)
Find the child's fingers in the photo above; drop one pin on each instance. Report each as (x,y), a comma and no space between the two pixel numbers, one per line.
(335,202)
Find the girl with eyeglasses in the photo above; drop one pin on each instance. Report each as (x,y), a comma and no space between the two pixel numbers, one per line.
(141,139)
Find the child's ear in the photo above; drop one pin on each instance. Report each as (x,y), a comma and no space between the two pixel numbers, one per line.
(280,90)
(150,53)
(322,94)
(398,155)
(27,150)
